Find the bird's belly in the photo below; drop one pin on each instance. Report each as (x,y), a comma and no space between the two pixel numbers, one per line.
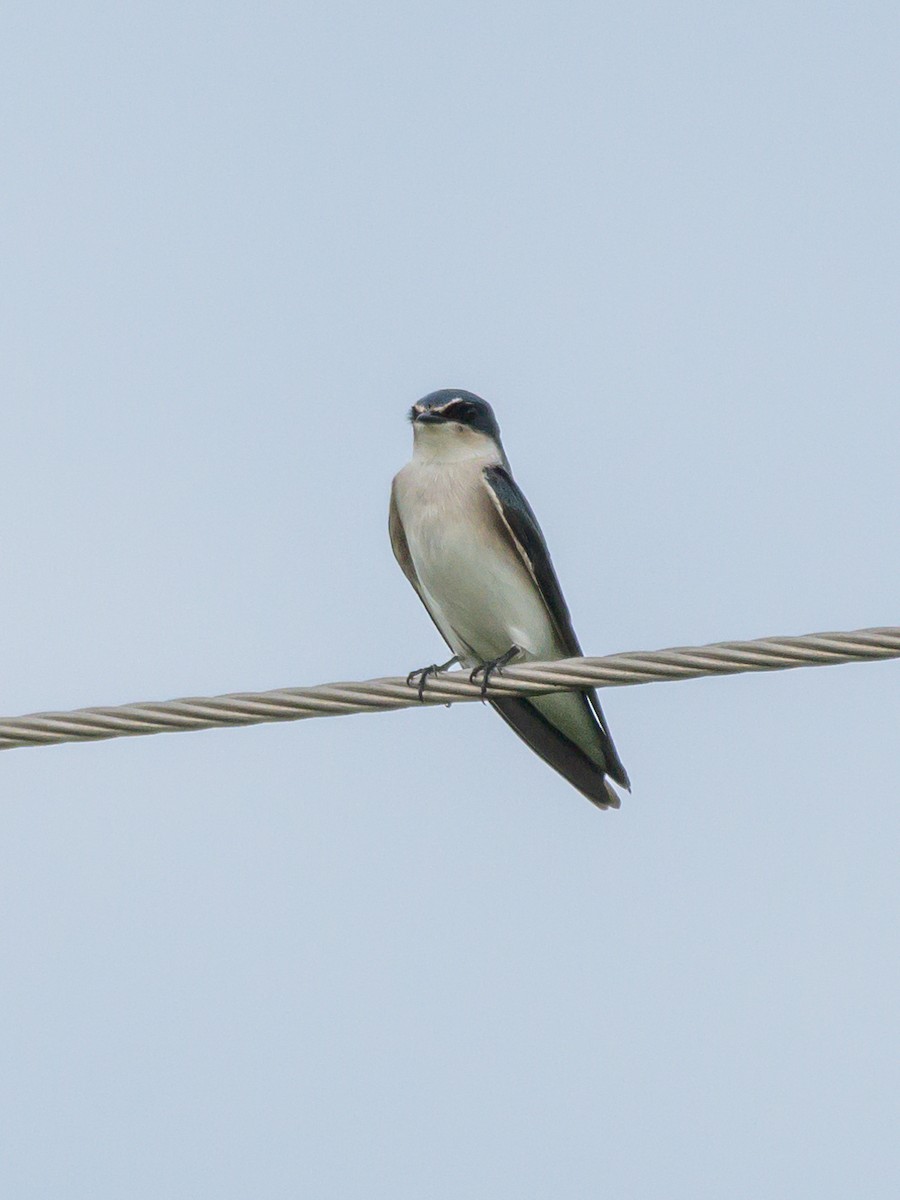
(479,592)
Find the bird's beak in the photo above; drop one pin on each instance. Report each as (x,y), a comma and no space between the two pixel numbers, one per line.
(427,417)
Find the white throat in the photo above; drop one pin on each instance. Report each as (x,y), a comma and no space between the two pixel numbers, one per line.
(452,443)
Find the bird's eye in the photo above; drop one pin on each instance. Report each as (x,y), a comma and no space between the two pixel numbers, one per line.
(466,411)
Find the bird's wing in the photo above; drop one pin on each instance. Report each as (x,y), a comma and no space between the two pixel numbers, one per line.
(554,726)
(400,546)
(519,525)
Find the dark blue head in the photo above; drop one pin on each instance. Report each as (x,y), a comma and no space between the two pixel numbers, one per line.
(456,407)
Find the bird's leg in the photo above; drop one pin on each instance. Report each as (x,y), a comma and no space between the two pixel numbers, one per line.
(494,664)
(424,672)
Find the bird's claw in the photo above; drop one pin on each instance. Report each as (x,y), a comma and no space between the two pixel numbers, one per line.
(424,672)
(487,669)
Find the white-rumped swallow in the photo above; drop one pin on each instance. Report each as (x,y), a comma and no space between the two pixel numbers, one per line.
(470,545)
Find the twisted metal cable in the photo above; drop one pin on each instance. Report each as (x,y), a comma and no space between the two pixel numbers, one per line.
(382,695)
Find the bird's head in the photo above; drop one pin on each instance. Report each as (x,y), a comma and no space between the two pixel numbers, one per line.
(452,425)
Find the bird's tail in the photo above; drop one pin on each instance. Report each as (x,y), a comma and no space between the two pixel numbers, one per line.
(560,752)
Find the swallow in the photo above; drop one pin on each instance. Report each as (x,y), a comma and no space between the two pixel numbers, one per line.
(468,542)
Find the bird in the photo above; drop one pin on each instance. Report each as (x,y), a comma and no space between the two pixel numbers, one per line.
(468,542)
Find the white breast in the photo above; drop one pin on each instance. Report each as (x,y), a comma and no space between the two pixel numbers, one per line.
(476,587)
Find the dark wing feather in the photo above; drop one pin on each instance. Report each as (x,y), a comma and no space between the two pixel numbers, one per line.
(531,725)
(522,524)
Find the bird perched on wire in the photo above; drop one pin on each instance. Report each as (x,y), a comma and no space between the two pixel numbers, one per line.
(468,542)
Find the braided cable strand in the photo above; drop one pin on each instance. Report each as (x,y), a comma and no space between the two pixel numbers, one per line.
(384,695)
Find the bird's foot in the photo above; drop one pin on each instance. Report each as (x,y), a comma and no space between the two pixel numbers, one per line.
(487,669)
(424,672)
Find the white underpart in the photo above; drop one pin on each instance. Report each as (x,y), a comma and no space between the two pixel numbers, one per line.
(451,443)
(476,587)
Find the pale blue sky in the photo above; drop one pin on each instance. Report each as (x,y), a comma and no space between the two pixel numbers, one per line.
(396,956)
